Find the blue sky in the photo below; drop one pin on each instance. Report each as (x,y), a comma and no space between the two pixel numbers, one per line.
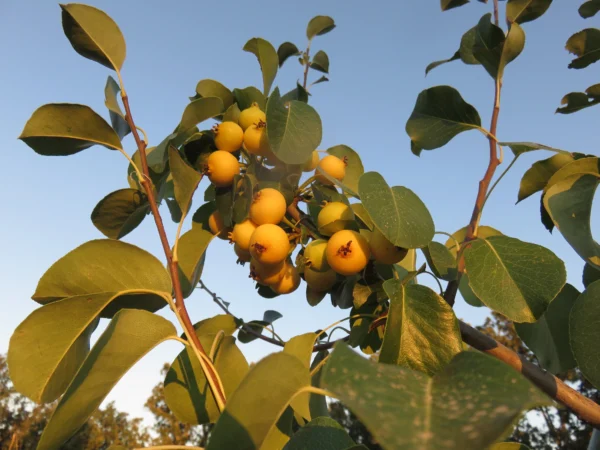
(378,55)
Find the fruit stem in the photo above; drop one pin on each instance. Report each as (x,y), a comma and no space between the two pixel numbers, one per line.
(179,305)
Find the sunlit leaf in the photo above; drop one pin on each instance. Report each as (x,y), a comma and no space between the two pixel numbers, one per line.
(537,176)
(584,326)
(318,26)
(198,111)
(576,101)
(267,58)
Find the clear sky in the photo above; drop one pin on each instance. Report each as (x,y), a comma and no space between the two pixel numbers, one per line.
(378,54)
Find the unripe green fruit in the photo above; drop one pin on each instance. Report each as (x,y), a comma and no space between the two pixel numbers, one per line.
(383,250)
(269,244)
(334,216)
(289,282)
(320,281)
(332,166)
(251,116)
(347,252)
(241,234)
(268,206)
(314,255)
(221,168)
(228,136)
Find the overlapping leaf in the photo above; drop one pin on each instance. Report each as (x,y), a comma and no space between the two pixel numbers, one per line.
(212,88)
(120,212)
(537,176)
(267,58)
(576,101)
(117,117)
(521,11)
(586,46)
(318,26)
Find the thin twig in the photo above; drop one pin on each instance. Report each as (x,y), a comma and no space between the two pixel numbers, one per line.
(180,308)
(306,65)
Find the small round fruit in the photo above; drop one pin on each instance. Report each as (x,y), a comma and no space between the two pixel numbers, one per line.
(268,206)
(289,281)
(320,281)
(383,250)
(334,216)
(312,163)
(266,273)
(241,234)
(216,225)
(221,168)
(255,140)
(243,255)
(347,252)
(228,136)
(269,244)
(332,166)
(314,255)
(251,116)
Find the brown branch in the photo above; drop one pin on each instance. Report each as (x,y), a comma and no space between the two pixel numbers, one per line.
(172,265)
(307,65)
(580,405)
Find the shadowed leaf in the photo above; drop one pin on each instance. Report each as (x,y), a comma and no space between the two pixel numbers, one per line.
(321,433)
(589,9)
(117,118)
(198,111)
(267,58)
(512,277)
(449,4)
(586,46)
(104,366)
(548,338)
(320,62)
(245,97)
(441,261)
(185,179)
(576,101)
(470,404)
(294,129)
(397,212)
(435,64)
(120,212)
(421,330)
(191,252)
(62,129)
(521,11)
(519,148)
(440,113)
(286,50)
(584,326)
(94,35)
(537,176)
(212,88)
(590,274)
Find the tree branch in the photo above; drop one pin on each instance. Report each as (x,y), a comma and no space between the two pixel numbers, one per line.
(581,406)
(181,310)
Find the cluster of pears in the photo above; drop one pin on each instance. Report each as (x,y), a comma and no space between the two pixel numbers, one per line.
(264,243)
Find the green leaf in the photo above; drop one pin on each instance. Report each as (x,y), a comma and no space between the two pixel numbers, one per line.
(321,433)
(245,97)
(449,4)
(518,148)
(107,266)
(294,129)
(537,176)
(590,274)
(568,198)
(318,403)
(548,338)
(264,390)
(320,80)
(301,347)
(62,129)
(298,93)
(120,212)
(318,26)
(589,9)
(320,62)
(212,88)
(586,46)
(257,325)
(198,111)
(493,49)
(117,118)
(354,165)
(509,446)
(286,50)
(361,213)
(459,236)
(421,330)
(439,114)
(521,11)
(441,261)
(191,252)
(60,332)
(221,322)
(104,366)
(472,403)
(94,35)
(467,293)
(185,179)
(467,45)
(435,64)
(584,327)
(397,212)
(576,101)
(514,278)
(186,390)
(361,334)
(232,114)
(267,58)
